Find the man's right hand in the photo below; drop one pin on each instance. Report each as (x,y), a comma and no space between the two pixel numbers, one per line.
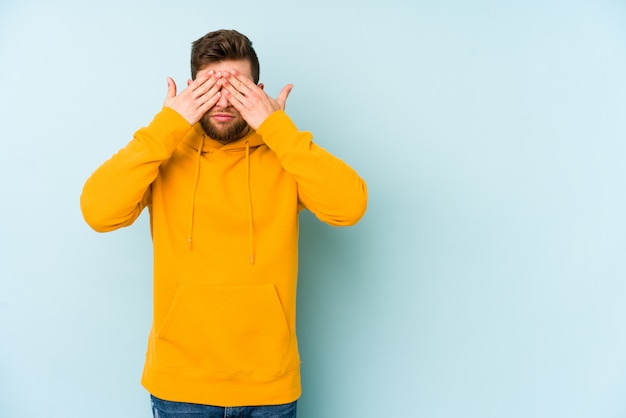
(199,96)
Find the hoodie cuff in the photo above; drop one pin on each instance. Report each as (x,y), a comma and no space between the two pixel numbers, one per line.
(167,128)
(280,134)
(169,120)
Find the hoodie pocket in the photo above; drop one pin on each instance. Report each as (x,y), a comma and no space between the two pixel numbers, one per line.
(225,330)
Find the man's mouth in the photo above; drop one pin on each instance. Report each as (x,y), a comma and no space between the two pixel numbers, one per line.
(222,117)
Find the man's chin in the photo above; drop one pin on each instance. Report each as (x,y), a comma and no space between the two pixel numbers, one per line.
(225,134)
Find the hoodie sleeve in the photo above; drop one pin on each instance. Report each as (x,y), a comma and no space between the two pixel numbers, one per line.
(327,186)
(116,193)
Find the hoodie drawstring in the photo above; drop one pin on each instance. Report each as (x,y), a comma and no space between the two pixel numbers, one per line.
(193,193)
(193,200)
(250,222)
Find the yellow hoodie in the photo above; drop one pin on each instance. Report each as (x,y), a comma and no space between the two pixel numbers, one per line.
(224,222)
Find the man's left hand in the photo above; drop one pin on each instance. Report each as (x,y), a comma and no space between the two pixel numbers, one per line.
(250,100)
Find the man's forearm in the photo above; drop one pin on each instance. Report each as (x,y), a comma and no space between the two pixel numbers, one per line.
(327,186)
(117,191)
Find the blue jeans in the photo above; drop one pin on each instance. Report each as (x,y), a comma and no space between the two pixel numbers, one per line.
(167,409)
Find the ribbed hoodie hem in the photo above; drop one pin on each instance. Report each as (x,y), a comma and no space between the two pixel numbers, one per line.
(242,390)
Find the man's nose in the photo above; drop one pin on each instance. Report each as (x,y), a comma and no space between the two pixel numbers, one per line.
(222,102)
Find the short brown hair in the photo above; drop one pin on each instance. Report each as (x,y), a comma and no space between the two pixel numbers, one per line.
(223,45)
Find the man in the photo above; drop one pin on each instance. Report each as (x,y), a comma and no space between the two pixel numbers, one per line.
(224,173)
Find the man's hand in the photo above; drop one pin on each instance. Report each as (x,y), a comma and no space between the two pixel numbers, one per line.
(199,96)
(250,100)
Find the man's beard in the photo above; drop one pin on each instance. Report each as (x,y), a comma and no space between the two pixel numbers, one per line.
(224,133)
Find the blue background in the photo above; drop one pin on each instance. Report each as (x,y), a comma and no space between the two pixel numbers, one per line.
(487,278)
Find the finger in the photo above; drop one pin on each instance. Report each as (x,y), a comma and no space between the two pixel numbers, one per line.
(232,91)
(210,94)
(234,97)
(203,82)
(171,88)
(282,96)
(240,82)
(210,102)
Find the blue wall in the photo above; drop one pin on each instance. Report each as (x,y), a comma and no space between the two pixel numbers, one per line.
(486,280)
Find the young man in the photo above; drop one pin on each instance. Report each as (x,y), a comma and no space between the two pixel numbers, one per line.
(224,173)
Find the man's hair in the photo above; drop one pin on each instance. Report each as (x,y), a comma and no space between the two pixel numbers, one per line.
(223,45)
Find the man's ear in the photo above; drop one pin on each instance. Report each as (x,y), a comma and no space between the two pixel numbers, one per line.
(261,86)
(188,83)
